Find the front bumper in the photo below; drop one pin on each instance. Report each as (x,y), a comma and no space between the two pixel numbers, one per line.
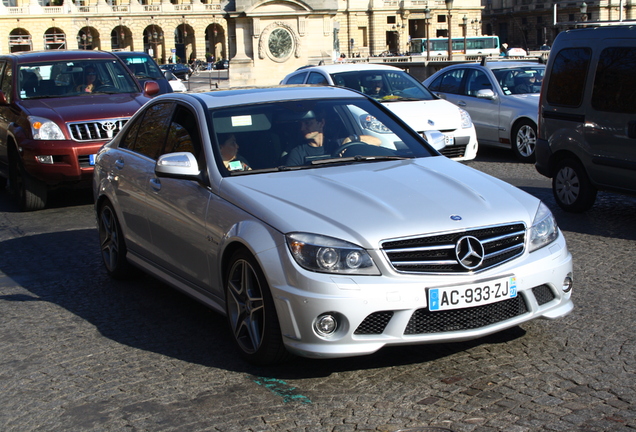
(392,309)
(71,160)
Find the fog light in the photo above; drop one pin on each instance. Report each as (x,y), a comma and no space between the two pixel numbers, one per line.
(567,283)
(326,325)
(46,159)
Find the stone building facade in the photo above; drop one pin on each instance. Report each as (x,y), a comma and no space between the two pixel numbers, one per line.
(263,39)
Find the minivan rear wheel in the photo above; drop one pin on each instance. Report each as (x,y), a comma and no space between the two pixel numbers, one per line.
(524,140)
(572,188)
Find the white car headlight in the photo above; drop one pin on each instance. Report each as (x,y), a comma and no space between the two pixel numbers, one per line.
(367,121)
(467,122)
(544,229)
(45,129)
(329,255)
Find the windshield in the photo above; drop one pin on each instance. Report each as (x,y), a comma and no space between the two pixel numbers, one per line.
(74,78)
(521,80)
(309,134)
(383,85)
(143,67)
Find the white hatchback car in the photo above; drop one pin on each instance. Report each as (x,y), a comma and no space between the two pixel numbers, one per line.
(405,96)
(340,247)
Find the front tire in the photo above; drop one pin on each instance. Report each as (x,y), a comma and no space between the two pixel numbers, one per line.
(30,192)
(572,188)
(524,141)
(251,313)
(112,243)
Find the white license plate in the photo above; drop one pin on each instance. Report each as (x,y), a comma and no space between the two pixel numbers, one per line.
(477,294)
(91,159)
(449,140)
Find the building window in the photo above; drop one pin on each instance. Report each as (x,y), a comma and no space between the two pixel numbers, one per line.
(391,19)
(441,18)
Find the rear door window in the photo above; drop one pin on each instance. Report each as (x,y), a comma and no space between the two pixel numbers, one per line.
(567,81)
(615,81)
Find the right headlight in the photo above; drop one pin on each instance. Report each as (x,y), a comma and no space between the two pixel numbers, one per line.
(466,120)
(45,129)
(544,229)
(329,255)
(369,122)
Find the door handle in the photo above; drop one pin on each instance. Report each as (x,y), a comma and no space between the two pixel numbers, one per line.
(155,184)
(119,163)
(461,103)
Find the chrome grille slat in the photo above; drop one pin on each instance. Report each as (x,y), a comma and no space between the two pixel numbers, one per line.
(435,254)
(94,130)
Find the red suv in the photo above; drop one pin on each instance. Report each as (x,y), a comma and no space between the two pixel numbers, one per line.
(57,109)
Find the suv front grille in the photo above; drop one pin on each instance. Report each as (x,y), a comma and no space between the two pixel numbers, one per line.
(438,253)
(96,130)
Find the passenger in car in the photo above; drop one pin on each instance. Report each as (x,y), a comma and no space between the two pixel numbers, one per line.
(229,152)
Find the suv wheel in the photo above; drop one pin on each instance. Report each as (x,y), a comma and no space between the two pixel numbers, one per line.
(30,192)
(572,188)
(524,140)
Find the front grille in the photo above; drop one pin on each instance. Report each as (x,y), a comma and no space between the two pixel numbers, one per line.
(543,294)
(374,323)
(96,130)
(455,151)
(437,253)
(424,321)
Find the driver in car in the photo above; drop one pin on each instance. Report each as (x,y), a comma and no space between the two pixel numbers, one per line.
(90,80)
(316,145)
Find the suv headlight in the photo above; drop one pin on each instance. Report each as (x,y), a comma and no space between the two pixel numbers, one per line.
(329,255)
(45,129)
(544,229)
(466,120)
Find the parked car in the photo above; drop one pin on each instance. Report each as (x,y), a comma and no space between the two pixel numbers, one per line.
(57,108)
(182,71)
(145,68)
(403,95)
(587,124)
(363,246)
(175,83)
(502,98)
(222,64)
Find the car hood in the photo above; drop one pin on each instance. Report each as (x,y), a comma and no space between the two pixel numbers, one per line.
(71,109)
(421,116)
(370,202)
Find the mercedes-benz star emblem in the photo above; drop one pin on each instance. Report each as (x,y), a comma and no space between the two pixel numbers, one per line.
(469,252)
(109,127)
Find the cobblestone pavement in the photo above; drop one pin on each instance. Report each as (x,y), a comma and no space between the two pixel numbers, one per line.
(81,352)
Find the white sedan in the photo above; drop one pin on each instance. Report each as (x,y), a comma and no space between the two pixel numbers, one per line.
(176,84)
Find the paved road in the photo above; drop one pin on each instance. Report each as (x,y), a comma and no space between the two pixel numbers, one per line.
(81,352)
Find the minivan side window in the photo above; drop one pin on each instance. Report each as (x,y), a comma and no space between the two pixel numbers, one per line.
(614,83)
(569,72)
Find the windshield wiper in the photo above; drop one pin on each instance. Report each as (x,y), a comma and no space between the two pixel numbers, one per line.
(357,158)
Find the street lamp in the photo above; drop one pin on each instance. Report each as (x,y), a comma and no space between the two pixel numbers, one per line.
(464,25)
(476,25)
(449,7)
(85,39)
(427,17)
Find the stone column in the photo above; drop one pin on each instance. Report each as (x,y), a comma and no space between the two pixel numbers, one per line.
(242,63)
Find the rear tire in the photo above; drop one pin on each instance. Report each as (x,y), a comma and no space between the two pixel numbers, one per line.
(524,141)
(112,243)
(572,188)
(251,313)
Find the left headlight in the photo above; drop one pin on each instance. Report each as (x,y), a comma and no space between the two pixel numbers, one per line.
(45,129)
(466,120)
(544,229)
(329,255)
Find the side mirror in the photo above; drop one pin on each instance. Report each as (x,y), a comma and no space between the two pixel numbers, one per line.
(486,94)
(436,139)
(178,165)
(151,88)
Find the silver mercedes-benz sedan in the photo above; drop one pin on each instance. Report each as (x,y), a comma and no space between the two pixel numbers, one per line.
(273,207)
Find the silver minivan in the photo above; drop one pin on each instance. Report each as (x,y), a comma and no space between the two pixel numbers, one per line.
(587,115)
